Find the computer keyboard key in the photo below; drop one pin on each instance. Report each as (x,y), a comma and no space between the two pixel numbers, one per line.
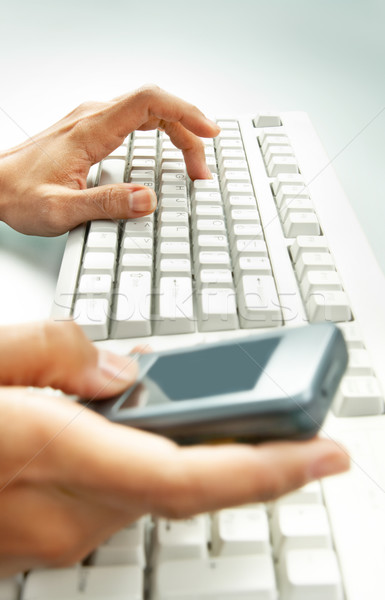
(85,583)
(229,134)
(93,174)
(145,164)
(268,140)
(177,540)
(213,260)
(258,303)
(277,152)
(174,305)
(136,261)
(174,267)
(9,588)
(244,215)
(241,531)
(173,167)
(221,578)
(132,304)
(301,223)
(235,202)
(173,233)
(104,225)
(144,153)
(97,285)
(204,185)
(210,226)
(215,278)
(173,217)
(139,227)
(319,281)
(172,156)
(140,142)
(208,211)
(251,265)
(241,231)
(328,306)
(210,242)
(359,362)
(281,164)
(235,177)
(172,190)
(230,154)
(311,574)
(300,526)
(227,124)
(352,334)
(283,179)
(250,247)
(311,493)
(267,120)
(358,396)
(233,165)
(174,178)
(295,205)
(137,244)
(287,192)
(99,262)
(314,261)
(238,189)
(174,204)
(217,309)
(112,171)
(173,250)
(92,314)
(308,243)
(126,547)
(102,240)
(229,145)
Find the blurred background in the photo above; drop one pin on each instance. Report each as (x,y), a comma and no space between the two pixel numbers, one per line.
(324,57)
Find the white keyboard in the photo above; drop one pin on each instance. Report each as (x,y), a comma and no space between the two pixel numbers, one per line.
(271,240)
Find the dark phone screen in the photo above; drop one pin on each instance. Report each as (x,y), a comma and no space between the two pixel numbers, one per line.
(192,375)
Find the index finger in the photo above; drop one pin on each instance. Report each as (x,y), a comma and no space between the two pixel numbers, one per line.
(150,106)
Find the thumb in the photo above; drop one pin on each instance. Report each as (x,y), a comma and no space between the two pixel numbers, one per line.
(59,355)
(117,201)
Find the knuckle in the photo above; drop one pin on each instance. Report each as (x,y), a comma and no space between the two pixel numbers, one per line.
(108,202)
(148,90)
(87,107)
(61,334)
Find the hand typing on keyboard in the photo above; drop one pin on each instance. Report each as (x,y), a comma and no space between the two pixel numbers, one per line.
(51,196)
(69,478)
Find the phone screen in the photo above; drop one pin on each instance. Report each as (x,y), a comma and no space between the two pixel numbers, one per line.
(191,375)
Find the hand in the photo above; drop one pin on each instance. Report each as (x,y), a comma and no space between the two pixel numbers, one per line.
(43,181)
(69,478)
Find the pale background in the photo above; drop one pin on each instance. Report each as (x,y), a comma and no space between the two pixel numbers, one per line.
(325,57)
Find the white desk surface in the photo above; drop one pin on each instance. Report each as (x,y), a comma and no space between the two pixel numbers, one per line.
(326,58)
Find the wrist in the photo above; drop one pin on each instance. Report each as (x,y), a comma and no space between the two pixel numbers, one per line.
(5,183)
(2,185)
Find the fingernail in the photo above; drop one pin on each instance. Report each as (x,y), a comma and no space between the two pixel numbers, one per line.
(208,173)
(118,368)
(143,200)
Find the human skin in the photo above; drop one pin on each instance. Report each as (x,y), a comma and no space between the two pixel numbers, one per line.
(68,477)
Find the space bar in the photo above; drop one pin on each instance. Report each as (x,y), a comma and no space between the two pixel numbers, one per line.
(356,506)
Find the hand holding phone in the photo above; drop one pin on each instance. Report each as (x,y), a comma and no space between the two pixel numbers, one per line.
(275,385)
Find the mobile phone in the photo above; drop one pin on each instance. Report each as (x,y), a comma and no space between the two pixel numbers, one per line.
(275,385)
